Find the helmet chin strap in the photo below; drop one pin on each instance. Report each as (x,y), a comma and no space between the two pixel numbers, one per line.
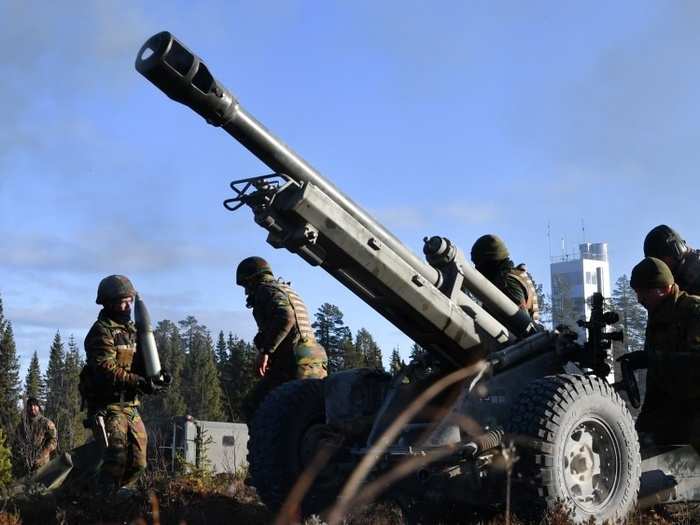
(678,247)
(120,316)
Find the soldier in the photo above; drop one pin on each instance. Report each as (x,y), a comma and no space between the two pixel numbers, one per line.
(287,347)
(666,244)
(672,355)
(36,437)
(490,256)
(111,383)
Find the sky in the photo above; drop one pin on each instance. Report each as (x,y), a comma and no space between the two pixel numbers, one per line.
(453,118)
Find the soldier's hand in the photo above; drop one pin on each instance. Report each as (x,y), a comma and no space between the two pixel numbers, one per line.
(635,360)
(263,363)
(145,386)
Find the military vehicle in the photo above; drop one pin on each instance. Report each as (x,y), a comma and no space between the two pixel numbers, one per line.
(493,387)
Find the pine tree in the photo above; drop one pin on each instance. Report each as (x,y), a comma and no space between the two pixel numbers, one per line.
(222,356)
(564,310)
(417,352)
(396,363)
(368,349)
(74,434)
(55,387)
(158,410)
(633,316)
(5,461)
(352,357)
(239,375)
(70,428)
(332,333)
(202,388)
(10,386)
(544,305)
(56,408)
(33,382)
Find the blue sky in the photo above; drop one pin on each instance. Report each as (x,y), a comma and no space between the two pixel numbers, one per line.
(452,118)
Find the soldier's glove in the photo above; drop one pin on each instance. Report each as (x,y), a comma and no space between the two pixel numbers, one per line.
(628,364)
(145,386)
(165,379)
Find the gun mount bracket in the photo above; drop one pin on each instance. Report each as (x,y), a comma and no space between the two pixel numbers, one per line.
(255,191)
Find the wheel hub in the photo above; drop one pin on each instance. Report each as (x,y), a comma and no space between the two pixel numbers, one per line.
(591,463)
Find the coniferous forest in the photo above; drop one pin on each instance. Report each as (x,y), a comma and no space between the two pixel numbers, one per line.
(211,374)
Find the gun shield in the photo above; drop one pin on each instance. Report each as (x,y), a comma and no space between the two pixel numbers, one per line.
(147,342)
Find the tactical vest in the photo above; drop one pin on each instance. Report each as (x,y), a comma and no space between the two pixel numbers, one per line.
(688,278)
(301,314)
(125,346)
(531,303)
(95,391)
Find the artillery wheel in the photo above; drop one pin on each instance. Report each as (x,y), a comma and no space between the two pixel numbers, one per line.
(577,445)
(287,433)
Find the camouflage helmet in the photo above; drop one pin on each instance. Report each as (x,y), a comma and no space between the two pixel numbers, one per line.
(651,273)
(113,288)
(251,267)
(489,248)
(663,241)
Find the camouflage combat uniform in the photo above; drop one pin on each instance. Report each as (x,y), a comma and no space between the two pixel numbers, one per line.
(285,333)
(517,284)
(110,384)
(671,410)
(36,440)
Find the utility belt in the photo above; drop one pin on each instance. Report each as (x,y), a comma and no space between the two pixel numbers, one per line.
(123,398)
(97,417)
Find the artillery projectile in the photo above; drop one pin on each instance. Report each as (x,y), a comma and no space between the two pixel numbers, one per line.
(147,342)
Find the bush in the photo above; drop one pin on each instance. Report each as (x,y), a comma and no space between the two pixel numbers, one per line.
(5,462)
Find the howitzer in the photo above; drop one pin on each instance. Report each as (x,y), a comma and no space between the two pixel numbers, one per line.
(537,388)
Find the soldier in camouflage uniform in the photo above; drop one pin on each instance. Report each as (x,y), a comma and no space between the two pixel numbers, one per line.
(36,437)
(490,256)
(672,355)
(285,340)
(112,382)
(664,243)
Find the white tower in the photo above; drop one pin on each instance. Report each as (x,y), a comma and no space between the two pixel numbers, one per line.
(574,280)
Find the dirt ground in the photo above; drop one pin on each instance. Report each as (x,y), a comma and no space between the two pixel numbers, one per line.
(200,499)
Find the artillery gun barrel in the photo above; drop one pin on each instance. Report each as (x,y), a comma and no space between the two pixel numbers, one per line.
(185,78)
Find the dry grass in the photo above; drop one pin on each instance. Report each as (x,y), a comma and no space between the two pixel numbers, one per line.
(196,499)
(10,518)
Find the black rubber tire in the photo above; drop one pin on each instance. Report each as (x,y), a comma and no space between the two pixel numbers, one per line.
(545,422)
(276,434)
